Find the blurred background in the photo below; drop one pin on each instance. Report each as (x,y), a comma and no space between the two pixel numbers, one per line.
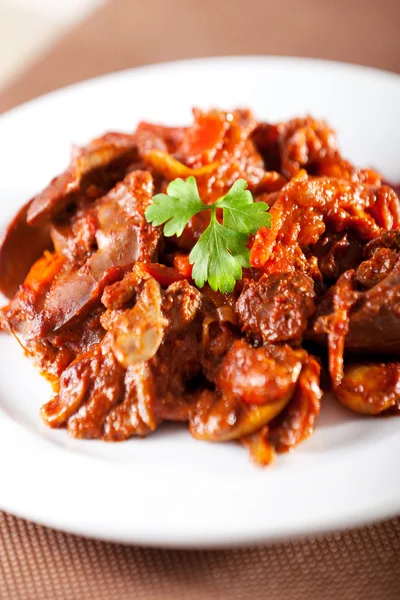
(46,44)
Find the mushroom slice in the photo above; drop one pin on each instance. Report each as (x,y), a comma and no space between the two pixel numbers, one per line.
(253,386)
(370,388)
(294,424)
(136,333)
(218,419)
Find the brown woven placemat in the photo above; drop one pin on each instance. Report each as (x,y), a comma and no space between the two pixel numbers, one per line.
(362,564)
(39,563)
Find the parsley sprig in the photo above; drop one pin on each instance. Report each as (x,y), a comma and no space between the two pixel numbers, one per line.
(221,251)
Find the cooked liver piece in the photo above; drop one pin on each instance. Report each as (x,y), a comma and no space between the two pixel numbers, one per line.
(277,307)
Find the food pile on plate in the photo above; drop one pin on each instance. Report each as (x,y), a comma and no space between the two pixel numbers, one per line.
(221,274)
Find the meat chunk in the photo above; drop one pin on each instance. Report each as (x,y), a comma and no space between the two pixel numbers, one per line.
(20,246)
(332,322)
(259,375)
(276,308)
(266,139)
(116,393)
(374,270)
(304,143)
(89,387)
(252,387)
(218,337)
(360,313)
(336,253)
(307,206)
(219,330)
(160,382)
(150,136)
(381,255)
(133,414)
(123,236)
(375,318)
(52,354)
(386,208)
(386,239)
(93,160)
(24,310)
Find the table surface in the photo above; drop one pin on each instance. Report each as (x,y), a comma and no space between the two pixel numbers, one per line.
(125,33)
(39,563)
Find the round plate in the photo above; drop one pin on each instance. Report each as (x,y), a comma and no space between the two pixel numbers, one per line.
(169,489)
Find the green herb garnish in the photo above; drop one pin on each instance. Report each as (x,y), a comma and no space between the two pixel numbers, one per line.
(221,251)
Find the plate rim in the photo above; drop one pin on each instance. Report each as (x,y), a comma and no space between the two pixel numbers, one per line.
(384,510)
(160,65)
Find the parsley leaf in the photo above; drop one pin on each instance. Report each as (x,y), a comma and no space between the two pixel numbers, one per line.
(176,207)
(218,257)
(241,213)
(221,251)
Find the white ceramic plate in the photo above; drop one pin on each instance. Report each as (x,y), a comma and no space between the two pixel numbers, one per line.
(169,489)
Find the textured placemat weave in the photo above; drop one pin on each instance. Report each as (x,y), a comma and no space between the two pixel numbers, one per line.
(39,563)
